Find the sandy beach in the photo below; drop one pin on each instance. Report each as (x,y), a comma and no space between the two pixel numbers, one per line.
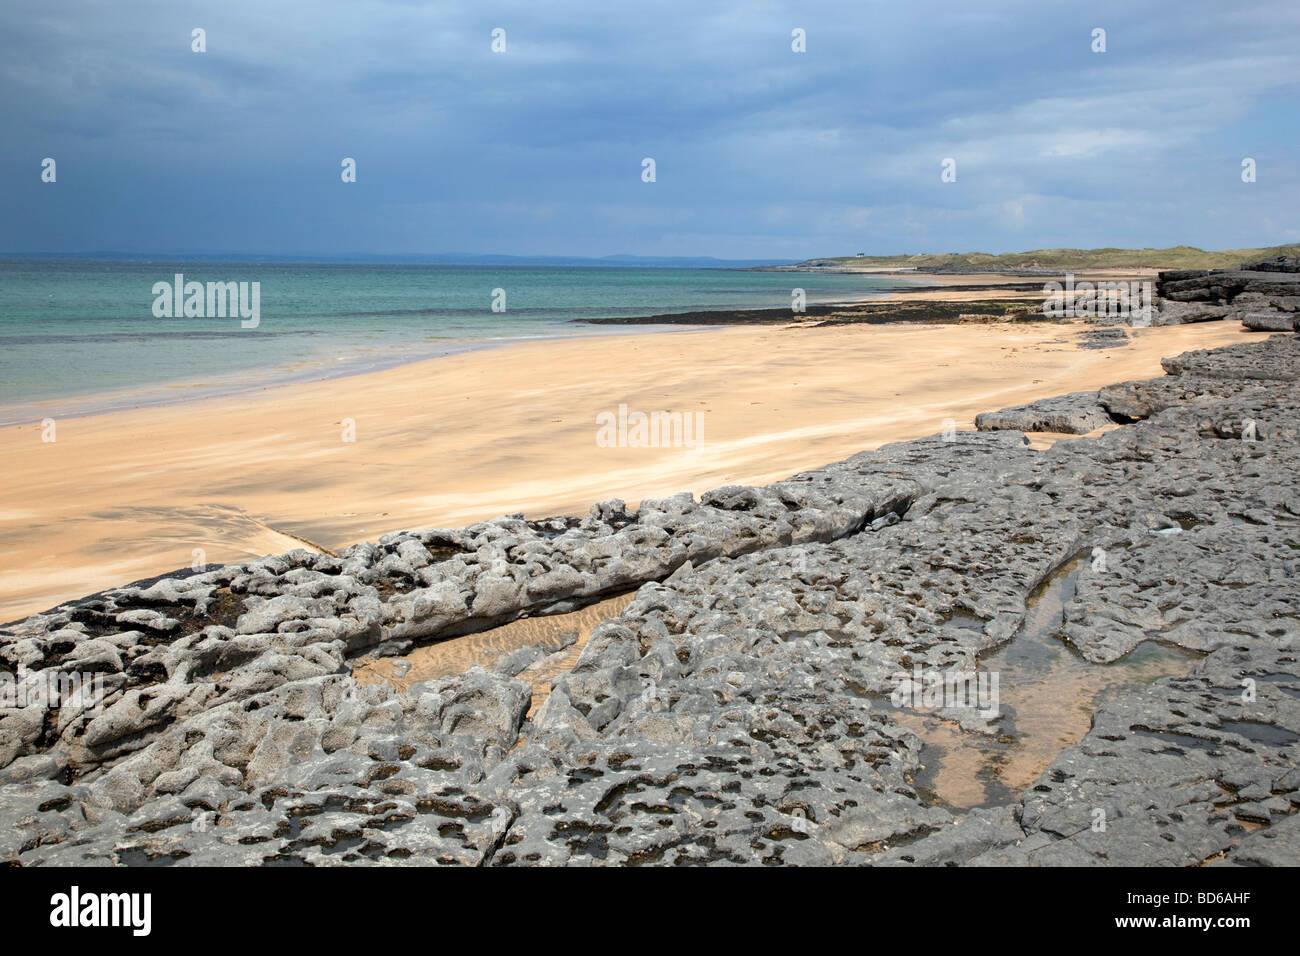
(445,442)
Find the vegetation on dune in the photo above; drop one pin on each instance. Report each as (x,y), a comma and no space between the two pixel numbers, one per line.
(1178,257)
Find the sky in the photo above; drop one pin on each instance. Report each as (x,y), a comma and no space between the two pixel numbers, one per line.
(759,151)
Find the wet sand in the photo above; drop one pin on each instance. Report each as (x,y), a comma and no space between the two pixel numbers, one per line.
(445,442)
(986,286)
(980,290)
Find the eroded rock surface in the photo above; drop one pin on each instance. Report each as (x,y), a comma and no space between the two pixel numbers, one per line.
(1264,296)
(1075,414)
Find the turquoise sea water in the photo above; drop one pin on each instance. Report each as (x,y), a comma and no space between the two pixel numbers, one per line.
(81,336)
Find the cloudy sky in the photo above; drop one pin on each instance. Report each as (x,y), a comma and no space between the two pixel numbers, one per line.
(760,151)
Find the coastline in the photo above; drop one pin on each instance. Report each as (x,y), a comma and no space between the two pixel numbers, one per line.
(601,690)
(940,298)
(167,394)
(127,495)
(62,356)
(361,512)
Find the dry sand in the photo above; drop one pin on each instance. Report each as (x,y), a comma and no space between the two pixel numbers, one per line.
(448,441)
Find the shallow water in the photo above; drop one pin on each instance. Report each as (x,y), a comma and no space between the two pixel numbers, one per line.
(86,330)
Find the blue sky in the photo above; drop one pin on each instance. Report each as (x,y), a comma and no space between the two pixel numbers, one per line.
(760,151)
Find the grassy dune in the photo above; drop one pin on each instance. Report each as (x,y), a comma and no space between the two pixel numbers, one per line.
(1178,257)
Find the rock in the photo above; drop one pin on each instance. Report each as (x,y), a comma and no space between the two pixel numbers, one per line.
(1172,312)
(1277,358)
(1108,338)
(1077,413)
(1222,287)
(46,766)
(1269,321)
(149,620)
(1275,264)
(1173,275)
(1276,845)
(138,712)
(1137,400)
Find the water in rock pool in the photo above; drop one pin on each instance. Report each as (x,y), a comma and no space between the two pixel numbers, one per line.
(1047,694)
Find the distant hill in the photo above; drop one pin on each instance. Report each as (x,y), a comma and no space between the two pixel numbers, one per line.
(440,259)
(1056,260)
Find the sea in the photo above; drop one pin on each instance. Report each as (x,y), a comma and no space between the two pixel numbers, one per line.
(80,337)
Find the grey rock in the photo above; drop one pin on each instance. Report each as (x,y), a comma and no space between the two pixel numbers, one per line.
(1077,413)
(1269,321)
(1173,312)
(1224,286)
(1276,358)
